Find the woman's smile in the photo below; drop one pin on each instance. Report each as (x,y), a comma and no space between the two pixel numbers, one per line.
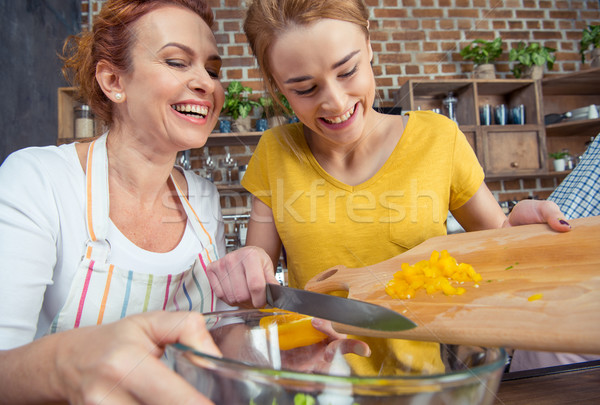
(340,121)
(193,112)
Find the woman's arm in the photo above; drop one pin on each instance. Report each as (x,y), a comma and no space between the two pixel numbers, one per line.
(482,211)
(116,363)
(262,231)
(29,233)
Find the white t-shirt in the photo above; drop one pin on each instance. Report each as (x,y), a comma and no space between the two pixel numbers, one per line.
(43,235)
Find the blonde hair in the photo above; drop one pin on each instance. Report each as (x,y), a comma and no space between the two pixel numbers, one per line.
(266,19)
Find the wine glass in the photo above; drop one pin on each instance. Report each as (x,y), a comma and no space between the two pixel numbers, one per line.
(229,164)
(184,159)
(209,167)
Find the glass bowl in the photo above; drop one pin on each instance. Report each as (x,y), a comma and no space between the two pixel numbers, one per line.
(255,371)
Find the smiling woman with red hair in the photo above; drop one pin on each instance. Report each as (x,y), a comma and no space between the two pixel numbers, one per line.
(94,234)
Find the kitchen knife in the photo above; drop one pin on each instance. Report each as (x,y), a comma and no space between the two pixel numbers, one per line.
(337,309)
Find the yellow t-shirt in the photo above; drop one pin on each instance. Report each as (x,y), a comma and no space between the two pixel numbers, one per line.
(323,222)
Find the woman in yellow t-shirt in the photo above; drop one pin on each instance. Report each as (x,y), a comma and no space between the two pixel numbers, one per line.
(348,185)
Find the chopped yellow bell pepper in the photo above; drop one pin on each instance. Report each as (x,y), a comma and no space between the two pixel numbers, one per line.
(440,273)
(293,330)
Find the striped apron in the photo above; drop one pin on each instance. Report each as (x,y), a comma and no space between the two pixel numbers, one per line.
(102,292)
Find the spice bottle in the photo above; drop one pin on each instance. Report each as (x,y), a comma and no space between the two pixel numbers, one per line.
(569,160)
(84,121)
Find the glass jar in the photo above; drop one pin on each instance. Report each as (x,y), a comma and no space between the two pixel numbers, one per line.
(450,103)
(83,121)
(569,160)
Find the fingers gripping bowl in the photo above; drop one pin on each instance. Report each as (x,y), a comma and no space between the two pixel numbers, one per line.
(255,370)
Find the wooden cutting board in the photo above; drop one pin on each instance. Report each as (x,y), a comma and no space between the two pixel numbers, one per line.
(515,264)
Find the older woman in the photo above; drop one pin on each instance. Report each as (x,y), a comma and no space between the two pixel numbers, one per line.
(95,233)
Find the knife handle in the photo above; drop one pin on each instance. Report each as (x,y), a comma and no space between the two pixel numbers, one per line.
(329,281)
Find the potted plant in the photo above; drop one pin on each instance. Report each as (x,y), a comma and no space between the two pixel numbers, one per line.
(559,160)
(266,104)
(286,109)
(531,60)
(276,113)
(483,54)
(591,37)
(238,105)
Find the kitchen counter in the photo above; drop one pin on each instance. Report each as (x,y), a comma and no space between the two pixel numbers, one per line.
(569,384)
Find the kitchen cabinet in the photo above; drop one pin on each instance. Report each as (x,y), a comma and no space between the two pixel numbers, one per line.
(503,150)
(67,101)
(565,93)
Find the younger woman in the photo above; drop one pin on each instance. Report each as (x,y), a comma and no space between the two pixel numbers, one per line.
(348,185)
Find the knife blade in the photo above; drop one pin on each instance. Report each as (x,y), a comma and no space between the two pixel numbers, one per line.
(337,309)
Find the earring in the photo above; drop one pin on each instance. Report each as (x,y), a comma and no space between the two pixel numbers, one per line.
(118,96)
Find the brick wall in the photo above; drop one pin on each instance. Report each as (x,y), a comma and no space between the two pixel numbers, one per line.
(422,39)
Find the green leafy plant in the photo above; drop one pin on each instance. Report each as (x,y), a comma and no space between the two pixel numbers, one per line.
(557,155)
(272,109)
(482,52)
(266,104)
(530,55)
(591,37)
(237,102)
(287,108)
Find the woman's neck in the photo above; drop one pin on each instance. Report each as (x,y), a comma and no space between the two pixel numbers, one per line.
(136,168)
(358,161)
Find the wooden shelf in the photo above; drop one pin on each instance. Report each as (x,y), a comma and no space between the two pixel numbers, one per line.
(514,151)
(524,175)
(503,150)
(235,134)
(566,93)
(233,138)
(556,174)
(501,86)
(581,83)
(509,127)
(230,187)
(67,101)
(587,128)
(215,139)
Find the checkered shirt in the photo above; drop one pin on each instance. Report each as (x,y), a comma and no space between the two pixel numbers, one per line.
(579,193)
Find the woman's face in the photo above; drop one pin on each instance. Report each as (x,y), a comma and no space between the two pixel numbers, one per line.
(173,93)
(324,71)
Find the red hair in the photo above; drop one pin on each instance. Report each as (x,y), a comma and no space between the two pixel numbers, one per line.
(111,40)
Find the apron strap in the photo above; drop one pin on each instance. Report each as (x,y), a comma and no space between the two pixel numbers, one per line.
(97,201)
(201,232)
